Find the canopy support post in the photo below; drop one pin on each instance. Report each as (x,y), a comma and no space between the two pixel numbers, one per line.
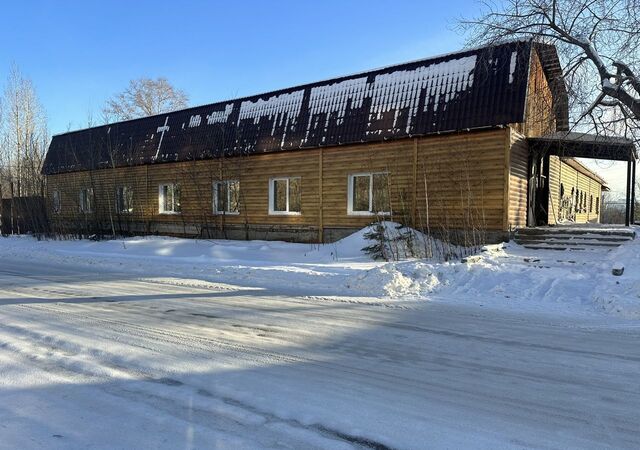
(627,213)
(633,193)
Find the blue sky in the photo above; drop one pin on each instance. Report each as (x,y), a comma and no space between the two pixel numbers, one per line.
(80,53)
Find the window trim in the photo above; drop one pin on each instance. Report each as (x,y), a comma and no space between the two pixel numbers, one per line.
(350,196)
(272,211)
(124,211)
(161,200)
(226,183)
(82,205)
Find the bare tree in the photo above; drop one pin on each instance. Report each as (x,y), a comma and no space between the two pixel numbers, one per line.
(23,135)
(598,43)
(144,97)
(23,141)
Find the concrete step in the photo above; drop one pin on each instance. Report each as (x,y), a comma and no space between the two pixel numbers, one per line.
(574,238)
(553,247)
(538,237)
(616,232)
(569,243)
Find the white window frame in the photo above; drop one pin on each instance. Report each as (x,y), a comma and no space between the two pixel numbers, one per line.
(216,186)
(272,211)
(161,202)
(350,196)
(56,202)
(124,189)
(90,196)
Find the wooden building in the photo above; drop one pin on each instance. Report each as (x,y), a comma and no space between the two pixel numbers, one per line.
(444,143)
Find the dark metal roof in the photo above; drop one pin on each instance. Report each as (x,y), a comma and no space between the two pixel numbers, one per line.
(584,145)
(477,88)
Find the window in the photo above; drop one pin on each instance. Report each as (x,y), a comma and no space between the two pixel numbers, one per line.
(124,199)
(591,203)
(169,198)
(284,196)
(86,200)
(226,197)
(55,202)
(369,194)
(597,205)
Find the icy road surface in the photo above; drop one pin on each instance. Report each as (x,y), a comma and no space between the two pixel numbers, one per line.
(94,359)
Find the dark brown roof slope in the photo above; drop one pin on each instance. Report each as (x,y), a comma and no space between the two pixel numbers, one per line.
(476,88)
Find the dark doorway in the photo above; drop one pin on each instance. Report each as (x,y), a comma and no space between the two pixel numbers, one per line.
(538,213)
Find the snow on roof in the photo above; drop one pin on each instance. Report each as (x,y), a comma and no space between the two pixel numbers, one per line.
(475,88)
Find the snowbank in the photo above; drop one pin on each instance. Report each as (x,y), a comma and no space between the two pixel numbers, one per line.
(336,269)
(504,276)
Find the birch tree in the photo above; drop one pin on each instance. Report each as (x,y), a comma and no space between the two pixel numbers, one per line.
(597,41)
(23,137)
(144,97)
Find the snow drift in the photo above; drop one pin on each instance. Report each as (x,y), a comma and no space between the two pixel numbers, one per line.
(504,276)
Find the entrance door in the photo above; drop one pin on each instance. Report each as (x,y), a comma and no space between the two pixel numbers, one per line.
(538,204)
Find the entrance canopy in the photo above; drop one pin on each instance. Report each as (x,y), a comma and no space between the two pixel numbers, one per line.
(582,145)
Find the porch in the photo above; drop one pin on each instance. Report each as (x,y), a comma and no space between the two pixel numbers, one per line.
(574,145)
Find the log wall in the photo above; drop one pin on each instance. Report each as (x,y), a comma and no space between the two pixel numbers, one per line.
(453,181)
(568,177)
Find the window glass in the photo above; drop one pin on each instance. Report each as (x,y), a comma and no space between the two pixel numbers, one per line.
(164,198)
(169,198)
(361,192)
(380,193)
(369,193)
(221,197)
(294,194)
(227,196)
(176,197)
(234,196)
(56,201)
(280,195)
(124,199)
(86,200)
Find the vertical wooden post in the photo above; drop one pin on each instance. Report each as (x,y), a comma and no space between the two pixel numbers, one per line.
(633,192)
(148,203)
(627,214)
(414,200)
(320,200)
(507,176)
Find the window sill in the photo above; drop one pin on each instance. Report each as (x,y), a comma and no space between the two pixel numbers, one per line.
(225,213)
(284,213)
(170,213)
(368,213)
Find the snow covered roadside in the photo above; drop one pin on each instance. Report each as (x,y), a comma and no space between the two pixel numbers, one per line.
(504,276)
(339,269)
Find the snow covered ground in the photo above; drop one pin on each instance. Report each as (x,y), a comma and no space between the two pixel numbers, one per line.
(171,343)
(504,276)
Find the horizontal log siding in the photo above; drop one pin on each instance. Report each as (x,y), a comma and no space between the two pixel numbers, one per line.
(464,173)
(539,112)
(561,172)
(465,180)
(395,157)
(518,181)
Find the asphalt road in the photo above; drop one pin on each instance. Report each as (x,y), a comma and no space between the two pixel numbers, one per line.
(112,360)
